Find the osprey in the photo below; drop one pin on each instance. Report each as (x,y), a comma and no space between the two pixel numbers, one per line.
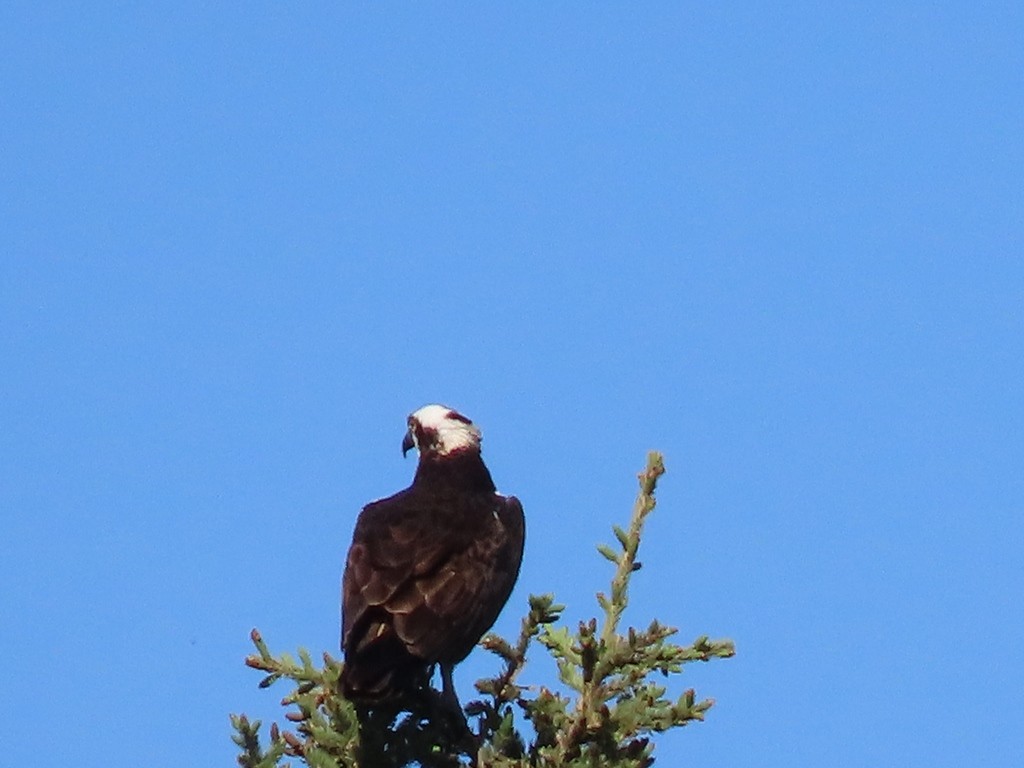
(431,567)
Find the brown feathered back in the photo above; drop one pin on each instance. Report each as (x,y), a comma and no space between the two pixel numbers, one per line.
(428,572)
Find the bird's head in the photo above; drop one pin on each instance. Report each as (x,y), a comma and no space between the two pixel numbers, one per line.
(437,431)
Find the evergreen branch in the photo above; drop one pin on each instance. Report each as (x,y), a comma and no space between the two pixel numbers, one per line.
(326,729)
(247,737)
(496,731)
(495,716)
(610,721)
(630,543)
(616,706)
(597,656)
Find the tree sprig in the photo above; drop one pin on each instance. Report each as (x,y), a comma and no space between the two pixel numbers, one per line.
(608,718)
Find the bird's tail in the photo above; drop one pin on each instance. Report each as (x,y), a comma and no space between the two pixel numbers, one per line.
(375,676)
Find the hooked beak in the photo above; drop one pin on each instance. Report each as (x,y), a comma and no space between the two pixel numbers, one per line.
(407,443)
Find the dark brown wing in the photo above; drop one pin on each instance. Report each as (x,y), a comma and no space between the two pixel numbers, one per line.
(496,560)
(425,578)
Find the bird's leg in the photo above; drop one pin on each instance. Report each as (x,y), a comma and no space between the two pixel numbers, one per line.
(448,694)
(449,701)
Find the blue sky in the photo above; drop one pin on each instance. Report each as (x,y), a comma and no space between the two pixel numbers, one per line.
(781,243)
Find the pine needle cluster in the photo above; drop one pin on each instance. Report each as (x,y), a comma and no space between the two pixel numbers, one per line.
(604,712)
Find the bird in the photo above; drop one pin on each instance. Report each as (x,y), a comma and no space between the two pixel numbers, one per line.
(429,568)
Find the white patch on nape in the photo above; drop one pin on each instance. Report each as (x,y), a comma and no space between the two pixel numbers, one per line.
(453,434)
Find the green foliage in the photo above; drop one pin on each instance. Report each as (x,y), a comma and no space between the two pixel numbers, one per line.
(605,714)
(326,727)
